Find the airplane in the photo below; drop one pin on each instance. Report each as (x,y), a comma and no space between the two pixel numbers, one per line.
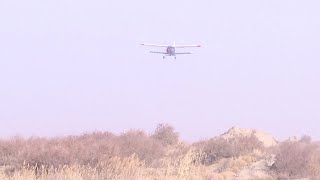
(170,49)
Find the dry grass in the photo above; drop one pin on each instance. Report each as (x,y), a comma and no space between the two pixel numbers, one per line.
(158,156)
(130,155)
(187,167)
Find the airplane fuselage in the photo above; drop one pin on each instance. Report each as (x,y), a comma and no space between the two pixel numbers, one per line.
(171,51)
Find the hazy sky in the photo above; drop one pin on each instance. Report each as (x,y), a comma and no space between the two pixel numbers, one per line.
(75,66)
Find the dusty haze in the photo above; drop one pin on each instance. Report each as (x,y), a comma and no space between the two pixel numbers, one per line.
(69,67)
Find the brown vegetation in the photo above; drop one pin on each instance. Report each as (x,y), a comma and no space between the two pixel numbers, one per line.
(166,135)
(298,159)
(218,148)
(137,155)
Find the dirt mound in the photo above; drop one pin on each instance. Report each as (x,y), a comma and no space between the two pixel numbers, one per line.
(247,167)
(265,138)
(257,170)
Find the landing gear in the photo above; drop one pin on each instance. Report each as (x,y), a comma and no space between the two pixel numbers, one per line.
(163,57)
(175,57)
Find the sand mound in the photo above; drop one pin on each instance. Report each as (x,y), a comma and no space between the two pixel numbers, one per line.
(265,138)
(257,170)
(242,168)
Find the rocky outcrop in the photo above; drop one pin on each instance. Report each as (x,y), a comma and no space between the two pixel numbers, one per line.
(266,139)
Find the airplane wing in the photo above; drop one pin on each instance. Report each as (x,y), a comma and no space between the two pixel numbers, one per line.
(155,45)
(185,53)
(157,52)
(186,46)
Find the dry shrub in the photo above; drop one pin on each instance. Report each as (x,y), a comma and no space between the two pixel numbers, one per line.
(191,160)
(306,139)
(140,143)
(218,148)
(122,168)
(184,166)
(165,134)
(298,159)
(87,149)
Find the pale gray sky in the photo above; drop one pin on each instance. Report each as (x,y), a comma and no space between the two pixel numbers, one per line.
(74,66)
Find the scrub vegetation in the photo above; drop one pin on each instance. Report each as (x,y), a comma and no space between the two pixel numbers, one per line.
(161,155)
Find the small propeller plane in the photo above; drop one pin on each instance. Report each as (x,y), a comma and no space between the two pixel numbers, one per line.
(170,49)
